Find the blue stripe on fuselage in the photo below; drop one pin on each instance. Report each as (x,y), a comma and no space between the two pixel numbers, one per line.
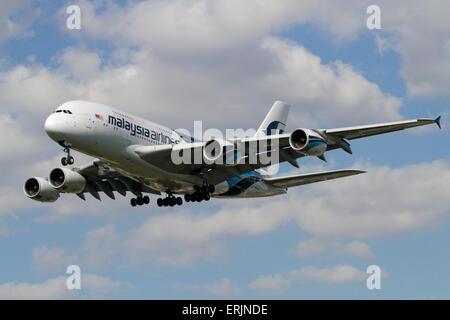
(231,182)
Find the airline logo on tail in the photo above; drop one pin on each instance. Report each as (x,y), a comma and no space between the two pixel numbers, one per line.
(275,125)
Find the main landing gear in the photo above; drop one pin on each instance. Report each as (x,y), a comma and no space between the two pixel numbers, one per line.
(69,159)
(200,194)
(139,201)
(170,200)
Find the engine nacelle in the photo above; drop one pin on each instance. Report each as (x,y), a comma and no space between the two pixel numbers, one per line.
(307,142)
(39,189)
(66,180)
(217,151)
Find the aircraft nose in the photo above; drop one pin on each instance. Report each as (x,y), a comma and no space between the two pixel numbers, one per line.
(54,127)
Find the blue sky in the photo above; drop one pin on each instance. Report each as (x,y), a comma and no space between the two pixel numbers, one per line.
(225,62)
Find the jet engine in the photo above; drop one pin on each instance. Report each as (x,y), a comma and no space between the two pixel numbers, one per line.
(307,142)
(217,151)
(66,180)
(39,189)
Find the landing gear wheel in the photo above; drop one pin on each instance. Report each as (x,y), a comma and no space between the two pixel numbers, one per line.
(211,188)
(207,197)
(159,202)
(69,159)
(172,201)
(146,199)
(133,202)
(165,202)
(179,201)
(139,201)
(187,197)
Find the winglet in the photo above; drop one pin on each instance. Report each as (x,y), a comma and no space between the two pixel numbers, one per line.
(438,122)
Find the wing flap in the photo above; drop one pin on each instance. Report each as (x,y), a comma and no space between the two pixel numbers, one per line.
(297,180)
(100,177)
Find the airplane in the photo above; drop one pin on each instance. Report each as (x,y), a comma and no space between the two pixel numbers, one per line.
(136,155)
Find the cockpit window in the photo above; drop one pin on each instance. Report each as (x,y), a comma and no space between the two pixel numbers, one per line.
(65,111)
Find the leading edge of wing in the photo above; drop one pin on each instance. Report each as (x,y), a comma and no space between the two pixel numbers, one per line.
(301,179)
(379,128)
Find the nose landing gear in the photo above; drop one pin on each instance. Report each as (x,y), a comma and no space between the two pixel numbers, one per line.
(69,159)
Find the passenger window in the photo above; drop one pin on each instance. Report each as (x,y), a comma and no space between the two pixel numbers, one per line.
(68,111)
(58,110)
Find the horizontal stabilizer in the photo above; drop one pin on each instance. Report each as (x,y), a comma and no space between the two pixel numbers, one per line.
(297,180)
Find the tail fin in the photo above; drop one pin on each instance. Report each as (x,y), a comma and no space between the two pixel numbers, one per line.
(275,120)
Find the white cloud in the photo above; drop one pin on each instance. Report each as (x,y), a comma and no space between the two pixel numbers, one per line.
(50,289)
(98,287)
(370,205)
(80,63)
(190,26)
(5,216)
(420,34)
(301,77)
(417,30)
(280,283)
(335,274)
(378,202)
(182,239)
(222,288)
(272,69)
(316,247)
(33,89)
(15,18)
(92,287)
(10,130)
(47,259)
(13,201)
(100,246)
(269,284)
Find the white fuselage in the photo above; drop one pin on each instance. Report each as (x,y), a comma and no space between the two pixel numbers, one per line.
(112,136)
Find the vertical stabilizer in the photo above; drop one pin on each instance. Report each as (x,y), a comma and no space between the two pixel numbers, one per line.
(275,120)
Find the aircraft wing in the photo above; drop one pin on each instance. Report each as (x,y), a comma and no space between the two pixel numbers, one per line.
(100,177)
(297,180)
(160,156)
(374,129)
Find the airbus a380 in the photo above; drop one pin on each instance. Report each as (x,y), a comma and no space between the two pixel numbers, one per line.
(136,155)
